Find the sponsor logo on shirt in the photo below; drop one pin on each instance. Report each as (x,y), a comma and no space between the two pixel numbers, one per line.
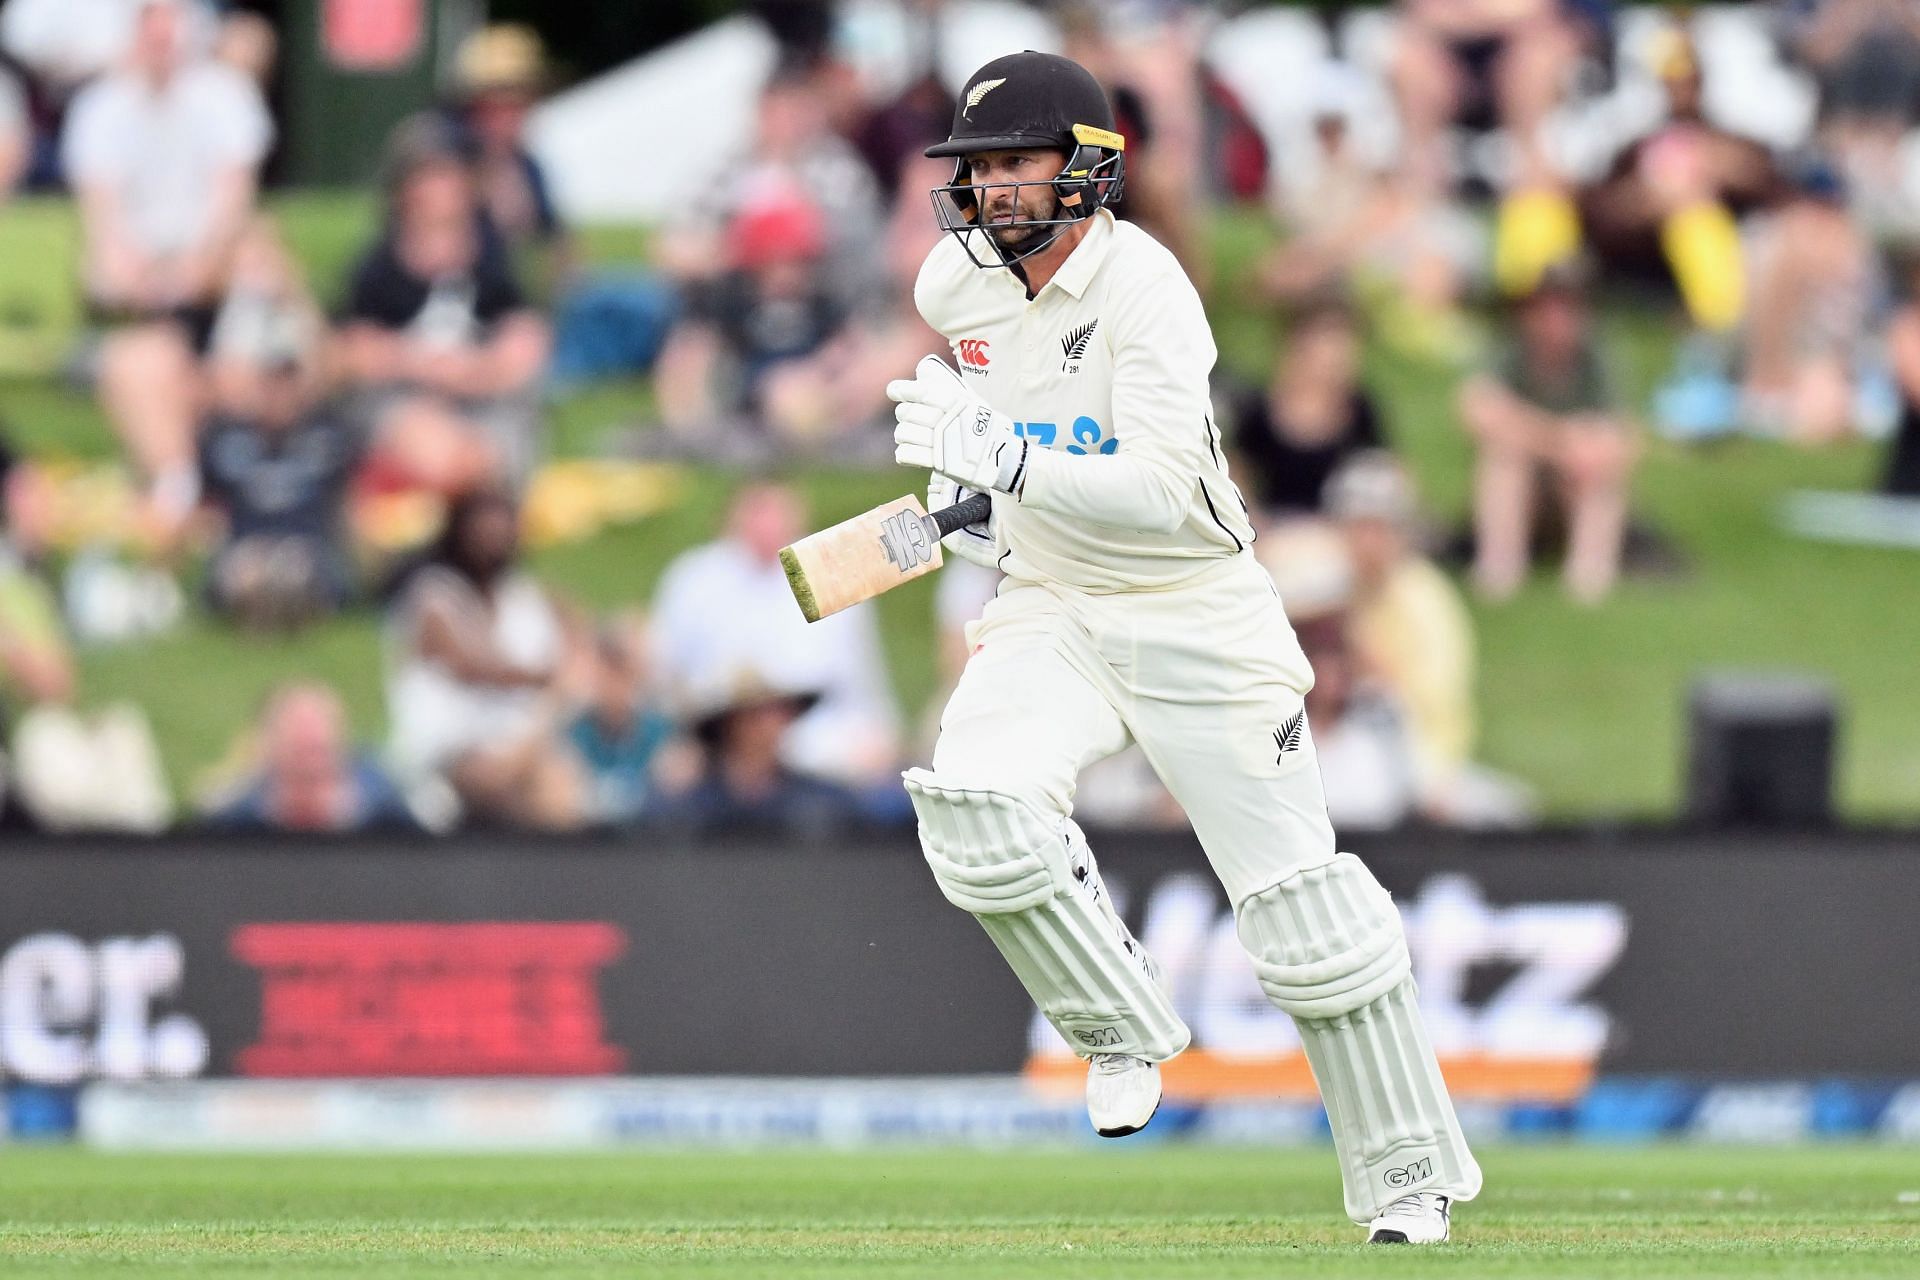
(973,354)
(1073,345)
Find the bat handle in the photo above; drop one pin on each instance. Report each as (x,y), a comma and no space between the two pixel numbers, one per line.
(962,514)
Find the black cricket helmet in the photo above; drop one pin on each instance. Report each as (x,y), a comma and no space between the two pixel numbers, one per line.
(1029,101)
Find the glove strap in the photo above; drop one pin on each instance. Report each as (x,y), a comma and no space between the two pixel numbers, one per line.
(1013,469)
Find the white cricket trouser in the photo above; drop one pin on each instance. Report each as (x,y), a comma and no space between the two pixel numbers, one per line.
(1206,678)
(1209,679)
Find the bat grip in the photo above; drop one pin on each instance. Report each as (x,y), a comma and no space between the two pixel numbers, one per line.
(962,514)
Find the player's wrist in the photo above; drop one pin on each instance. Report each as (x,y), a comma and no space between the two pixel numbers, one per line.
(1012,474)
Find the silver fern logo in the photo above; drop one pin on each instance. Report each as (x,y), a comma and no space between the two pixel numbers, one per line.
(980,91)
(1073,346)
(1287,737)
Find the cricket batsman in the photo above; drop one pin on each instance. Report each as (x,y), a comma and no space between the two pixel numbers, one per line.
(1132,611)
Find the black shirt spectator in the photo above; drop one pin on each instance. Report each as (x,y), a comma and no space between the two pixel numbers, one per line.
(454,308)
(289,481)
(1287,467)
(1292,435)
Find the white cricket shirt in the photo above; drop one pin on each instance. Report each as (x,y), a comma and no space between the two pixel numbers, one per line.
(1105,372)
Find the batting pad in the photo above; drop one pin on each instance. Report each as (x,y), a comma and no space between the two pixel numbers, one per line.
(1328,948)
(1002,859)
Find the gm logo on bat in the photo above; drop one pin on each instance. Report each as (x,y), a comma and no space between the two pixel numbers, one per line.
(903,536)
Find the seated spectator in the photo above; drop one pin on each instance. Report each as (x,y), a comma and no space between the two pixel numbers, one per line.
(65,44)
(310,777)
(793,149)
(499,74)
(1546,414)
(604,324)
(16,133)
(1410,631)
(1666,208)
(36,666)
(276,459)
(1815,284)
(1352,224)
(437,338)
(1409,627)
(163,155)
(620,734)
(484,666)
(1866,57)
(767,346)
(1903,339)
(1288,438)
(1481,62)
(726,606)
(68,771)
(745,784)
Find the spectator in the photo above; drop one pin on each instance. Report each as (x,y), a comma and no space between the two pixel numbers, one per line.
(1666,209)
(36,666)
(16,133)
(1903,462)
(484,665)
(499,71)
(276,458)
(1480,62)
(745,784)
(69,771)
(1409,627)
(438,338)
(1547,411)
(1290,437)
(604,324)
(1368,762)
(793,151)
(310,778)
(767,345)
(67,43)
(163,155)
(726,606)
(1866,57)
(620,734)
(1815,283)
(1354,225)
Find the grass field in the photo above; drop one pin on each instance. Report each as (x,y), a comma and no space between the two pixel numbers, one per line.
(1587,705)
(1550,1212)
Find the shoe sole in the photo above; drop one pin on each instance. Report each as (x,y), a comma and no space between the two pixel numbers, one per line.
(1133,1128)
(1384,1236)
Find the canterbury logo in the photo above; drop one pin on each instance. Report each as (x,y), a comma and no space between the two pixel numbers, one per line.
(1287,736)
(980,91)
(1074,345)
(972,351)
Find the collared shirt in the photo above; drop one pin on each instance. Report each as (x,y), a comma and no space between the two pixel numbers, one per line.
(1105,372)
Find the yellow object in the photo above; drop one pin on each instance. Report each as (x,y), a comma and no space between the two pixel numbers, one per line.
(1702,245)
(573,500)
(1534,231)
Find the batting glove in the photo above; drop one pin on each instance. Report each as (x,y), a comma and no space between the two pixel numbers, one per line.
(940,423)
(975,542)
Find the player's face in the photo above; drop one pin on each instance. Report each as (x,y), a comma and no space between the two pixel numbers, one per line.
(1003,205)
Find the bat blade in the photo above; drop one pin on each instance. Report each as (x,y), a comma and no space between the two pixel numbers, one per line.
(858,559)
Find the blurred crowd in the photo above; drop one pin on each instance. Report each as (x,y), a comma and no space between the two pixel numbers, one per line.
(1457,184)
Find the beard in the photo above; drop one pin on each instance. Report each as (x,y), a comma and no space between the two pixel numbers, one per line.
(1019,239)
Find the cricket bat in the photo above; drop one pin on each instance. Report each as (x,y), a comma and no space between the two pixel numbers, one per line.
(875,551)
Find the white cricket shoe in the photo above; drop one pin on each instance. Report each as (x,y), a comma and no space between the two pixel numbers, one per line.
(1420,1218)
(1123,1092)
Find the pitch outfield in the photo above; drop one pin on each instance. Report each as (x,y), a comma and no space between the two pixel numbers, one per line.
(1828,1211)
